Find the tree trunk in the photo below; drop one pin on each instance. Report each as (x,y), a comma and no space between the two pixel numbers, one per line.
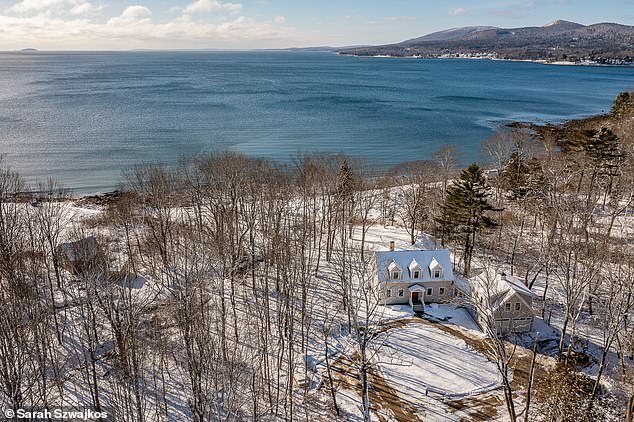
(333,394)
(530,379)
(562,337)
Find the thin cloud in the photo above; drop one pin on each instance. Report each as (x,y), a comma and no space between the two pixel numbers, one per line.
(135,27)
(76,7)
(132,15)
(201,6)
(85,9)
(460,11)
(400,18)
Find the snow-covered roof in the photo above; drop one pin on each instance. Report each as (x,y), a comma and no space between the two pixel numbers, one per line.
(394,266)
(517,285)
(86,248)
(503,288)
(416,288)
(434,264)
(414,265)
(423,258)
(463,285)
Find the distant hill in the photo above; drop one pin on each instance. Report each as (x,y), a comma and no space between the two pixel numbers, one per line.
(602,43)
(448,34)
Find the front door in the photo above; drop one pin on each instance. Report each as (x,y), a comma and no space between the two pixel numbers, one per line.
(414,297)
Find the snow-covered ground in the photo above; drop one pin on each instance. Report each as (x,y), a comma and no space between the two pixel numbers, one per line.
(425,365)
(450,314)
(432,362)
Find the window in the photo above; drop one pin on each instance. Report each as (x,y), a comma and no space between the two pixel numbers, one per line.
(508,307)
(388,293)
(442,291)
(430,291)
(517,306)
(437,273)
(401,293)
(396,275)
(416,274)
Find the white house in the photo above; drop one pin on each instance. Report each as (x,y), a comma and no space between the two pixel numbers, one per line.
(416,277)
(504,299)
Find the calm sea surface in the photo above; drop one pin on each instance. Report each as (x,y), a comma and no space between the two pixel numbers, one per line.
(83,118)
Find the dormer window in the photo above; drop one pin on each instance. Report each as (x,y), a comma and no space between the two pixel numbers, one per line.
(394,271)
(435,269)
(415,270)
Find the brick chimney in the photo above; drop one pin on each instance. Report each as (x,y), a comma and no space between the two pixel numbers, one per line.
(392,246)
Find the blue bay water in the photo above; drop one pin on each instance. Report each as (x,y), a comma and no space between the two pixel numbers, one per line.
(82,118)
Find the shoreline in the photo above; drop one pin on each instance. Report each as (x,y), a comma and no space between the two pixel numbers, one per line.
(545,130)
(544,62)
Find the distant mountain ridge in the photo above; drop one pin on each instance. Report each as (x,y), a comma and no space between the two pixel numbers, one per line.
(558,41)
(448,34)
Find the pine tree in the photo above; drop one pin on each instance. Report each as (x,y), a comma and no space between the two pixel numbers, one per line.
(522,179)
(603,148)
(464,213)
(623,102)
(600,153)
(345,182)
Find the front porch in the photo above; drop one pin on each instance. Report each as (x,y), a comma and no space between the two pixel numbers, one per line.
(416,294)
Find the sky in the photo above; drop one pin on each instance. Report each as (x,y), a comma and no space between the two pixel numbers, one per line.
(246,24)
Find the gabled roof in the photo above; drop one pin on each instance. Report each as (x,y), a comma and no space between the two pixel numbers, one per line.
(83,249)
(414,265)
(423,258)
(516,284)
(416,288)
(434,264)
(504,288)
(394,266)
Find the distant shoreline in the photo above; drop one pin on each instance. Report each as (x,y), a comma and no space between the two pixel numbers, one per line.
(544,62)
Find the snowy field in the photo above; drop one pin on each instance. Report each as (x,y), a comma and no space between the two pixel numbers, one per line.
(433,362)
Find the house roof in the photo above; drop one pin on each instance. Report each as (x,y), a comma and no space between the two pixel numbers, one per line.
(414,265)
(517,285)
(423,258)
(504,288)
(394,266)
(86,248)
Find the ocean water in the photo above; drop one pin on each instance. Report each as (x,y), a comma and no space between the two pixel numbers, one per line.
(82,118)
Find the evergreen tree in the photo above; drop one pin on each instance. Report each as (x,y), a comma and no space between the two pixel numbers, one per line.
(603,148)
(599,154)
(464,213)
(522,179)
(345,182)
(345,188)
(623,102)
